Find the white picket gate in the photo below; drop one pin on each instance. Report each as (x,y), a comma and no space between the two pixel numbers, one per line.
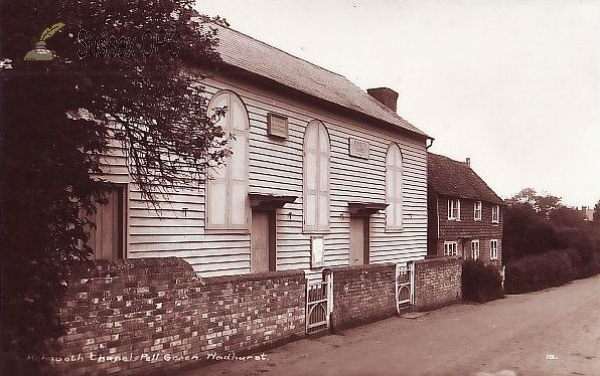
(405,286)
(319,304)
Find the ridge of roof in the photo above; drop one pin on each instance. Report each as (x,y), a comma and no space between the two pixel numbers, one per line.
(454,178)
(245,52)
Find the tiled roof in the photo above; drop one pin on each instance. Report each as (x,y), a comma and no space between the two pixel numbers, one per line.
(249,54)
(456,179)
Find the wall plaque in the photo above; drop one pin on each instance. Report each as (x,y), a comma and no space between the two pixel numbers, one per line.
(316,247)
(277,126)
(358,148)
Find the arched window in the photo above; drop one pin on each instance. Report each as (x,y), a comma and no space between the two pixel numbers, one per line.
(227,190)
(393,188)
(316,178)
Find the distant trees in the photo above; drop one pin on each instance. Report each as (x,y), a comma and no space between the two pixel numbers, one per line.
(535,224)
(547,243)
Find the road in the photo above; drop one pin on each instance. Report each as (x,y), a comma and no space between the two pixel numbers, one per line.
(551,332)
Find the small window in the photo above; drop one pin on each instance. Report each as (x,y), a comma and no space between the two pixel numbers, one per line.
(494,249)
(454,209)
(477,211)
(495,214)
(474,249)
(450,248)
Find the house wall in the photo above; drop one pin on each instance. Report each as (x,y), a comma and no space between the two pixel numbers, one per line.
(134,316)
(275,166)
(466,229)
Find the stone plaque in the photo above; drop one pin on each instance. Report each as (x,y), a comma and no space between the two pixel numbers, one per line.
(358,148)
(277,126)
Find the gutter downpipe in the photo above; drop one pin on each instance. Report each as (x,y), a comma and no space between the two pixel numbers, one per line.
(431,139)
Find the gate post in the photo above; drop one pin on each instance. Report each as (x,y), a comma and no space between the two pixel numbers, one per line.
(329,280)
(411,268)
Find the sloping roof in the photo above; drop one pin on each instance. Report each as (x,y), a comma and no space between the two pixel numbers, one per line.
(249,54)
(456,179)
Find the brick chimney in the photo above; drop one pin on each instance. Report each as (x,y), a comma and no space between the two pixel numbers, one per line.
(386,96)
(468,162)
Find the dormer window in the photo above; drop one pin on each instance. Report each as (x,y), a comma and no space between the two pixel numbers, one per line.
(454,209)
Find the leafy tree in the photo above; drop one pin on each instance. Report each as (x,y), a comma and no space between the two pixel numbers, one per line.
(140,85)
(543,205)
(526,232)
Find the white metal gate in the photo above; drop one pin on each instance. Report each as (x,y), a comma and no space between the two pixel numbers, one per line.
(405,285)
(319,304)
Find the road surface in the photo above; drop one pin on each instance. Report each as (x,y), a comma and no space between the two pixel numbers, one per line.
(551,332)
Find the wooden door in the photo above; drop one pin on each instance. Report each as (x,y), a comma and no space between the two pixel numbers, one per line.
(260,241)
(106,239)
(358,240)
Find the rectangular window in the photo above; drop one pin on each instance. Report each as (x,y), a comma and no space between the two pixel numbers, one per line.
(495,213)
(454,209)
(477,211)
(450,248)
(494,249)
(474,249)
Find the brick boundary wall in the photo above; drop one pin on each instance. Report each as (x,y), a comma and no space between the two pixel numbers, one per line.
(438,282)
(362,294)
(137,316)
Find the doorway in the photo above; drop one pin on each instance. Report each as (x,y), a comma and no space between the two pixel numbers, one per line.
(263,239)
(359,240)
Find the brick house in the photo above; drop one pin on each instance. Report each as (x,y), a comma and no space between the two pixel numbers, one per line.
(465,215)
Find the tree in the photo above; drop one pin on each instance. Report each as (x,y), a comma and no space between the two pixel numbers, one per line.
(597,212)
(119,72)
(543,205)
(564,217)
(526,232)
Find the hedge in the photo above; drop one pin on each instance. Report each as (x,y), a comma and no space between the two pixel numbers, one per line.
(481,283)
(536,272)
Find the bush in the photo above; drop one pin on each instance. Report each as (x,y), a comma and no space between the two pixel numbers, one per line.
(536,272)
(481,283)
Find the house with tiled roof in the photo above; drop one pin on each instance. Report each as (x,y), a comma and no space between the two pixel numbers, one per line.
(465,215)
(323,173)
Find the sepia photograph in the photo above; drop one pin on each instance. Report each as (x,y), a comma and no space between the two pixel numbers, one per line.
(293,187)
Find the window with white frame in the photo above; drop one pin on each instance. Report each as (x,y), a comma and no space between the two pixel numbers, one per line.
(454,209)
(450,248)
(494,249)
(393,188)
(496,213)
(477,211)
(227,188)
(475,249)
(316,178)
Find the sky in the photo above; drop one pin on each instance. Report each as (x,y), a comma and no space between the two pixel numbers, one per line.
(513,85)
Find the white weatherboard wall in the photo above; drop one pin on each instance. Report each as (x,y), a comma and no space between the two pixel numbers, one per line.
(275,166)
